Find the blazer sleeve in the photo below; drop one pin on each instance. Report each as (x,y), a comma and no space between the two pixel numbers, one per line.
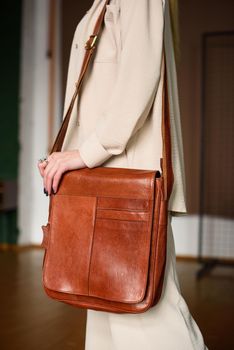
(137,82)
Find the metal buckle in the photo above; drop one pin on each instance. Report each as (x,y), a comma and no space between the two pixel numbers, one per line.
(91,42)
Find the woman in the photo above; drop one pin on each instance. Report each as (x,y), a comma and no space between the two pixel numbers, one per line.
(117,123)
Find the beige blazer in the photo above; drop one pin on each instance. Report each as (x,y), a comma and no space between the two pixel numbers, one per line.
(117,119)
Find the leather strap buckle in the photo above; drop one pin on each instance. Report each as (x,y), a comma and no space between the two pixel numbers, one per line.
(90,44)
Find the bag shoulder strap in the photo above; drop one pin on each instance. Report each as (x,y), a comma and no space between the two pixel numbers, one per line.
(90,47)
(165,161)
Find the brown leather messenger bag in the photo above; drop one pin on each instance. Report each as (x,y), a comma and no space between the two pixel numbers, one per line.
(106,236)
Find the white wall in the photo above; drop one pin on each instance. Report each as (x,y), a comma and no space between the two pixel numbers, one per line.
(217,240)
(32,202)
(185,230)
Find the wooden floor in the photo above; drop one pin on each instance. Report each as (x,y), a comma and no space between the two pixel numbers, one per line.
(31,321)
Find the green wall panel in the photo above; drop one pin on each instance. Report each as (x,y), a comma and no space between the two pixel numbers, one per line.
(10,31)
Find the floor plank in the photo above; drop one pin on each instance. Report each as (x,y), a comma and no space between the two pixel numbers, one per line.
(31,320)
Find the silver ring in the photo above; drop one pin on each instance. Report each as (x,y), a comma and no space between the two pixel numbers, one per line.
(41,160)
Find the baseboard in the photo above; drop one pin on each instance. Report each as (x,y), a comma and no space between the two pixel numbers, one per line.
(18,248)
(187,258)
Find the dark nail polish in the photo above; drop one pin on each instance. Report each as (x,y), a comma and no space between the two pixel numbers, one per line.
(45,192)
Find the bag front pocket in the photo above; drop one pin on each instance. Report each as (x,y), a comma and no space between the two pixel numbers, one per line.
(70,243)
(121,231)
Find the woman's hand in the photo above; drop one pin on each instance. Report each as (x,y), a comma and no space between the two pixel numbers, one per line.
(58,163)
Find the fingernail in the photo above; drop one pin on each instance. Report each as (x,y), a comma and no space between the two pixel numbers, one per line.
(53,191)
(46,193)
